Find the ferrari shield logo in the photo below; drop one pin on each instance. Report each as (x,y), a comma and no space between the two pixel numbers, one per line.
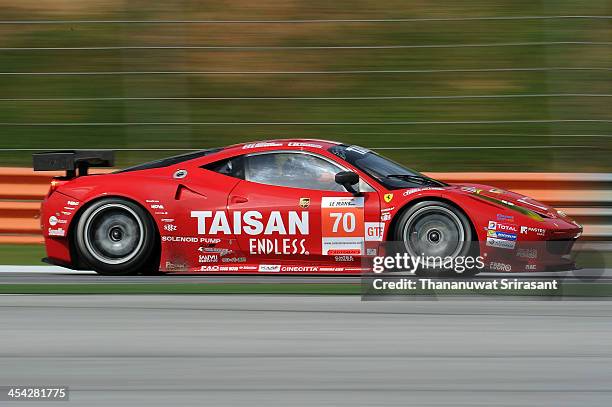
(304,202)
(388,197)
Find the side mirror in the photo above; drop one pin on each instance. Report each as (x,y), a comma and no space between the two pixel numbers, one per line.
(347,179)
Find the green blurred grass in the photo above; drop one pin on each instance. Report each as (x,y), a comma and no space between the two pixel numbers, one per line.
(21,255)
(591,153)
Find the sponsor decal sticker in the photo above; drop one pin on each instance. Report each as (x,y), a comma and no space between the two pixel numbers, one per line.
(300,269)
(277,246)
(501,227)
(495,266)
(472,190)
(304,202)
(252,223)
(304,145)
(233,260)
(538,231)
(258,145)
(208,258)
(501,243)
(527,253)
(414,190)
(170,266)
(168,227)
(53,221)
(269,268)
(388,197)
(374,231)
(57,232)
(342,225)
(504,218)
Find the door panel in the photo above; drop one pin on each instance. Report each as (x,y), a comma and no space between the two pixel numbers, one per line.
(301,225)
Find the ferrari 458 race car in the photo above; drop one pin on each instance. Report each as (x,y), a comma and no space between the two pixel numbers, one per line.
(284,206)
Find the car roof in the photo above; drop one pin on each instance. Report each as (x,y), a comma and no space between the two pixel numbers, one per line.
(283,144)
(236,149)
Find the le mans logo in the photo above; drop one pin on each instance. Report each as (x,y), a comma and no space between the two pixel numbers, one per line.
(388,197)
(304,202)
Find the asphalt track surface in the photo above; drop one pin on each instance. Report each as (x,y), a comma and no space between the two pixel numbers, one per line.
(308,350)
(53,274)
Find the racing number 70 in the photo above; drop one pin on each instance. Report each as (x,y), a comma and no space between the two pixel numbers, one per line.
(347,219)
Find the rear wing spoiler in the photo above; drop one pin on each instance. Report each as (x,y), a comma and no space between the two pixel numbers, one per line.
(72,161)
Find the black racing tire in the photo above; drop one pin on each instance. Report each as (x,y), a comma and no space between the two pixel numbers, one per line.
(435,228)
(115,236)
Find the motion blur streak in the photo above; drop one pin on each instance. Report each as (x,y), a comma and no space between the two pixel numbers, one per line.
(133,74)
(279,351)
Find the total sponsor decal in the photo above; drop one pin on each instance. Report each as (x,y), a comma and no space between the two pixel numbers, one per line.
(252,223)
(530,267)
(269,268)
(277,246)
(538,231)
(209,268)
(56,232)
(342,225)
(157,206)
(496,266)
(344,258)
(502,227)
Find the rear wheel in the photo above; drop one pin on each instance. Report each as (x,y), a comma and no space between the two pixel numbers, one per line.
(436,230)
(116,237)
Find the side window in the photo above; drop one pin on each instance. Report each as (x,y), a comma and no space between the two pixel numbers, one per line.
(232,167)
(292,170)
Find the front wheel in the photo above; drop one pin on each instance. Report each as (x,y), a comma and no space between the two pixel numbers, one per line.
(115,237)
(436,231)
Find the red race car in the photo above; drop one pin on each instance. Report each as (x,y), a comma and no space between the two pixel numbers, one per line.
(284,206)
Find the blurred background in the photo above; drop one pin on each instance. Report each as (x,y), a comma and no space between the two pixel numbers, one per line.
(463,86)
(438,85)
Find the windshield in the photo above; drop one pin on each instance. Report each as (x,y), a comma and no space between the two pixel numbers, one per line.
(389,173)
